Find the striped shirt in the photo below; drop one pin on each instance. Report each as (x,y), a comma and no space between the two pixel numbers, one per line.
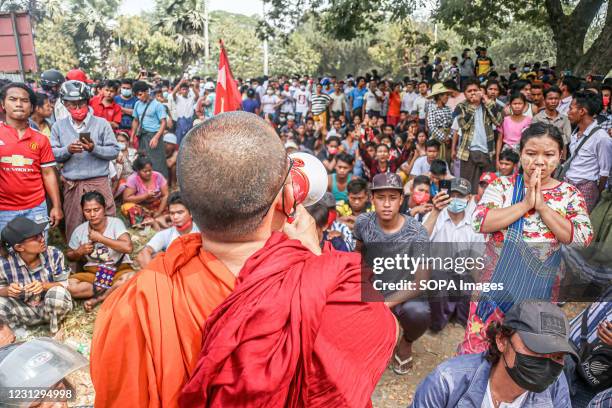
(319,103)
(597,313)
(51,268)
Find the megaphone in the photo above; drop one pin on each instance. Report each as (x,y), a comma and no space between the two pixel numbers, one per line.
(308,177)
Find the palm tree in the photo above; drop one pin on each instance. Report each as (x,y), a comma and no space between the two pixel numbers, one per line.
(183,21)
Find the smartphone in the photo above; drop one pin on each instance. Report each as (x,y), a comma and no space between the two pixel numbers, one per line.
(445,185)
(85,137)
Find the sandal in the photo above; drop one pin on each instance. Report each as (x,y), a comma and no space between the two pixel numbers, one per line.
(401,367)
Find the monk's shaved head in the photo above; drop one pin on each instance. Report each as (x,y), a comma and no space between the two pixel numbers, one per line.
(230,169)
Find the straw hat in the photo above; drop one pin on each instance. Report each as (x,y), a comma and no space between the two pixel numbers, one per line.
(438,89)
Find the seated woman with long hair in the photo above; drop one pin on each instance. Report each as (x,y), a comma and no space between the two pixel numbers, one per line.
(527,218)
(102,242)
(145,196)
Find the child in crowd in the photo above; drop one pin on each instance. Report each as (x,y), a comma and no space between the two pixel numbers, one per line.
(512,127)
(508,163)
(358,202)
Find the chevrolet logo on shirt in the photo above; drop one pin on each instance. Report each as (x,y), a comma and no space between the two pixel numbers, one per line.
(17,160)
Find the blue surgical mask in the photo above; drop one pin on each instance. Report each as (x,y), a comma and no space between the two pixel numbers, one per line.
(165,94)
(457,205)
(126,92)
(121,146)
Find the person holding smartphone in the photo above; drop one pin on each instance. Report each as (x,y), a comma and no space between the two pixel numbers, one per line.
(85,144)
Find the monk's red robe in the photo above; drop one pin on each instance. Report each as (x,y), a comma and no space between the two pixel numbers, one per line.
(294,333)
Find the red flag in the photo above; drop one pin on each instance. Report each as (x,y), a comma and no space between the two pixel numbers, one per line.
(227,97)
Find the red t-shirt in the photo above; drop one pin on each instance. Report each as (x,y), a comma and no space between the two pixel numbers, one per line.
(111,113)
(21,163)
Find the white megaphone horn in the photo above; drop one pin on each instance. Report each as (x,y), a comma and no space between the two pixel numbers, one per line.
(308,177)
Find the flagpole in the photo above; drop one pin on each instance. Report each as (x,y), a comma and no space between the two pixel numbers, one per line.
(206,40)
(265,41)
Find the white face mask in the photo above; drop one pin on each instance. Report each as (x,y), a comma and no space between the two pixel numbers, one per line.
(270,92)
(121,146)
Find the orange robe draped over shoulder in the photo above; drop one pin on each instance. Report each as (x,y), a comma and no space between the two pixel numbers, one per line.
(148,333)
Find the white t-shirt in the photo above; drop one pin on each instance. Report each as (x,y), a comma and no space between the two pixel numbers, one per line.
(487,401)
(462,234)
(268,102)
(420,167)
(338,102)
(162,239)
(408,102)
(371,100)
(287,106)
(301,100)
(419,106)
(101,253)
(184,107)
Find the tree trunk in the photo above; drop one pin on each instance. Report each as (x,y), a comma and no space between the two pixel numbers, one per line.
(569,32)
(569,47)
(598,58)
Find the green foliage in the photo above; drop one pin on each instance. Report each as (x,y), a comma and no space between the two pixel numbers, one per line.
(137,47)
(526,44)
(243,48)
(54,48)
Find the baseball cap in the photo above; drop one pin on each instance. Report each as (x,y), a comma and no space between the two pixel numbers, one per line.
(78,75)
(460,185)
(387,181)
(170,138)
(21,228)
(541,325)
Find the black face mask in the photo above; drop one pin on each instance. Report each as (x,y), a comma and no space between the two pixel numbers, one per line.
(533,373)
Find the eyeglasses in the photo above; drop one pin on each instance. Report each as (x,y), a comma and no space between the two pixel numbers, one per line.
(282,186)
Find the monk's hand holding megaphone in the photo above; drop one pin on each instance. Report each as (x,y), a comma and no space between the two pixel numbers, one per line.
(304,229)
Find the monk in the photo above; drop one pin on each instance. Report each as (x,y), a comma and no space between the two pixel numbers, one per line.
(148,334)
(294,332)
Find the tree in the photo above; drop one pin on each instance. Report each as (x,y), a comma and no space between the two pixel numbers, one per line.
(183,22)
(54,48)
(473,21)
(89,22)
(137,47)
(488,20)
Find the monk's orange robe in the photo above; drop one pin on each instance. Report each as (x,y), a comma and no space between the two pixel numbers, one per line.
(148,333)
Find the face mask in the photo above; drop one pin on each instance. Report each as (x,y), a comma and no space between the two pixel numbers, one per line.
(121,146)
(332,150)
(457,205)
(79,113)
(126,92)
(303,88)
(269,92)
(420,197)
(165,94)
(186,226)
(533,373)
(606,101)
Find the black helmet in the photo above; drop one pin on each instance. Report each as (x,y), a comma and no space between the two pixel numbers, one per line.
(51,78)
(74,91)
